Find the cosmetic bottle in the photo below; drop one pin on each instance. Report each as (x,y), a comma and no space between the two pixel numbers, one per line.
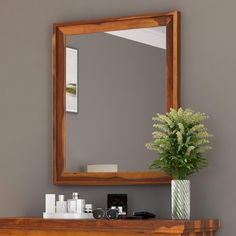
(61,205)
(80,206)
(80,203)
(76,205)
(88,208)
(50,203)
(72,203)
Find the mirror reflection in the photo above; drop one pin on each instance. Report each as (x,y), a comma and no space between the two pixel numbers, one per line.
(115,84)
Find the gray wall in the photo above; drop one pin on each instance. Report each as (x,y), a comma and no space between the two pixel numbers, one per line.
(208,84)
(121,86)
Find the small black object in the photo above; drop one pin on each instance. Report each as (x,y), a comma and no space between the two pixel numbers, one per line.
(134,218)
(112,213)
(99,213)
(144,214)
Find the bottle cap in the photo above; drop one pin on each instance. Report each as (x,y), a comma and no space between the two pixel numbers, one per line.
(61,198)
(75,195)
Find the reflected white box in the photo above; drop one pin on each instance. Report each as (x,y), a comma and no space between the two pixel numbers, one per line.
(102,168)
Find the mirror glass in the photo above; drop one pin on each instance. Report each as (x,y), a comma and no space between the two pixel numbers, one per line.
(115,84)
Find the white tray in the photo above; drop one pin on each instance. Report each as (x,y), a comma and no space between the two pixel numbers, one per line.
(67,216)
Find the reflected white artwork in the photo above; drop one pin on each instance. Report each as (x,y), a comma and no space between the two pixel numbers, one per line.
(71,80)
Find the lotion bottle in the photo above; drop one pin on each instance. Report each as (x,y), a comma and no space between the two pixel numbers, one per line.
(72,203)
(80,203)
(61,205)
(50,203)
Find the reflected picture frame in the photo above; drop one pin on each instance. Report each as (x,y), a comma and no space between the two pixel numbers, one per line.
(72,80)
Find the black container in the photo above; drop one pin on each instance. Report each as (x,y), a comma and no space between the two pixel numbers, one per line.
(116,200)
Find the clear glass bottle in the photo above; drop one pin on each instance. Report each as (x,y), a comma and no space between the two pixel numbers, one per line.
(72,203)
(80,206)
(61,205)
(76,205)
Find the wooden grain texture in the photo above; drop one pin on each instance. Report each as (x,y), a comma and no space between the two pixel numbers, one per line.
(39,226)
(80,233)
(66,233)
(176,59)
(114,178)
(172,22)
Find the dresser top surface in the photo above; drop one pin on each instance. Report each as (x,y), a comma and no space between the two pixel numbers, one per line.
(141,226)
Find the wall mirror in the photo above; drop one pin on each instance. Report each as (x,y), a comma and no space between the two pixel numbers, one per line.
(110,76)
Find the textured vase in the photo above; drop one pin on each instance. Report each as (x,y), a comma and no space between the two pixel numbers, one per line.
(180,199)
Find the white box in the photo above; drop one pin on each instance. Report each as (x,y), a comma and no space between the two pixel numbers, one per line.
(50,203)
(102,168)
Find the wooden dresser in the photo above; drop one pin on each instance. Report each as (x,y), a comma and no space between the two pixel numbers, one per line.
(42,227)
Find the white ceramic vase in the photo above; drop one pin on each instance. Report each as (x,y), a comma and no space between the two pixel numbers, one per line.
(180,199)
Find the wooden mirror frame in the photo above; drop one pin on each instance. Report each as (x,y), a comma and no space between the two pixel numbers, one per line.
(172,22)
